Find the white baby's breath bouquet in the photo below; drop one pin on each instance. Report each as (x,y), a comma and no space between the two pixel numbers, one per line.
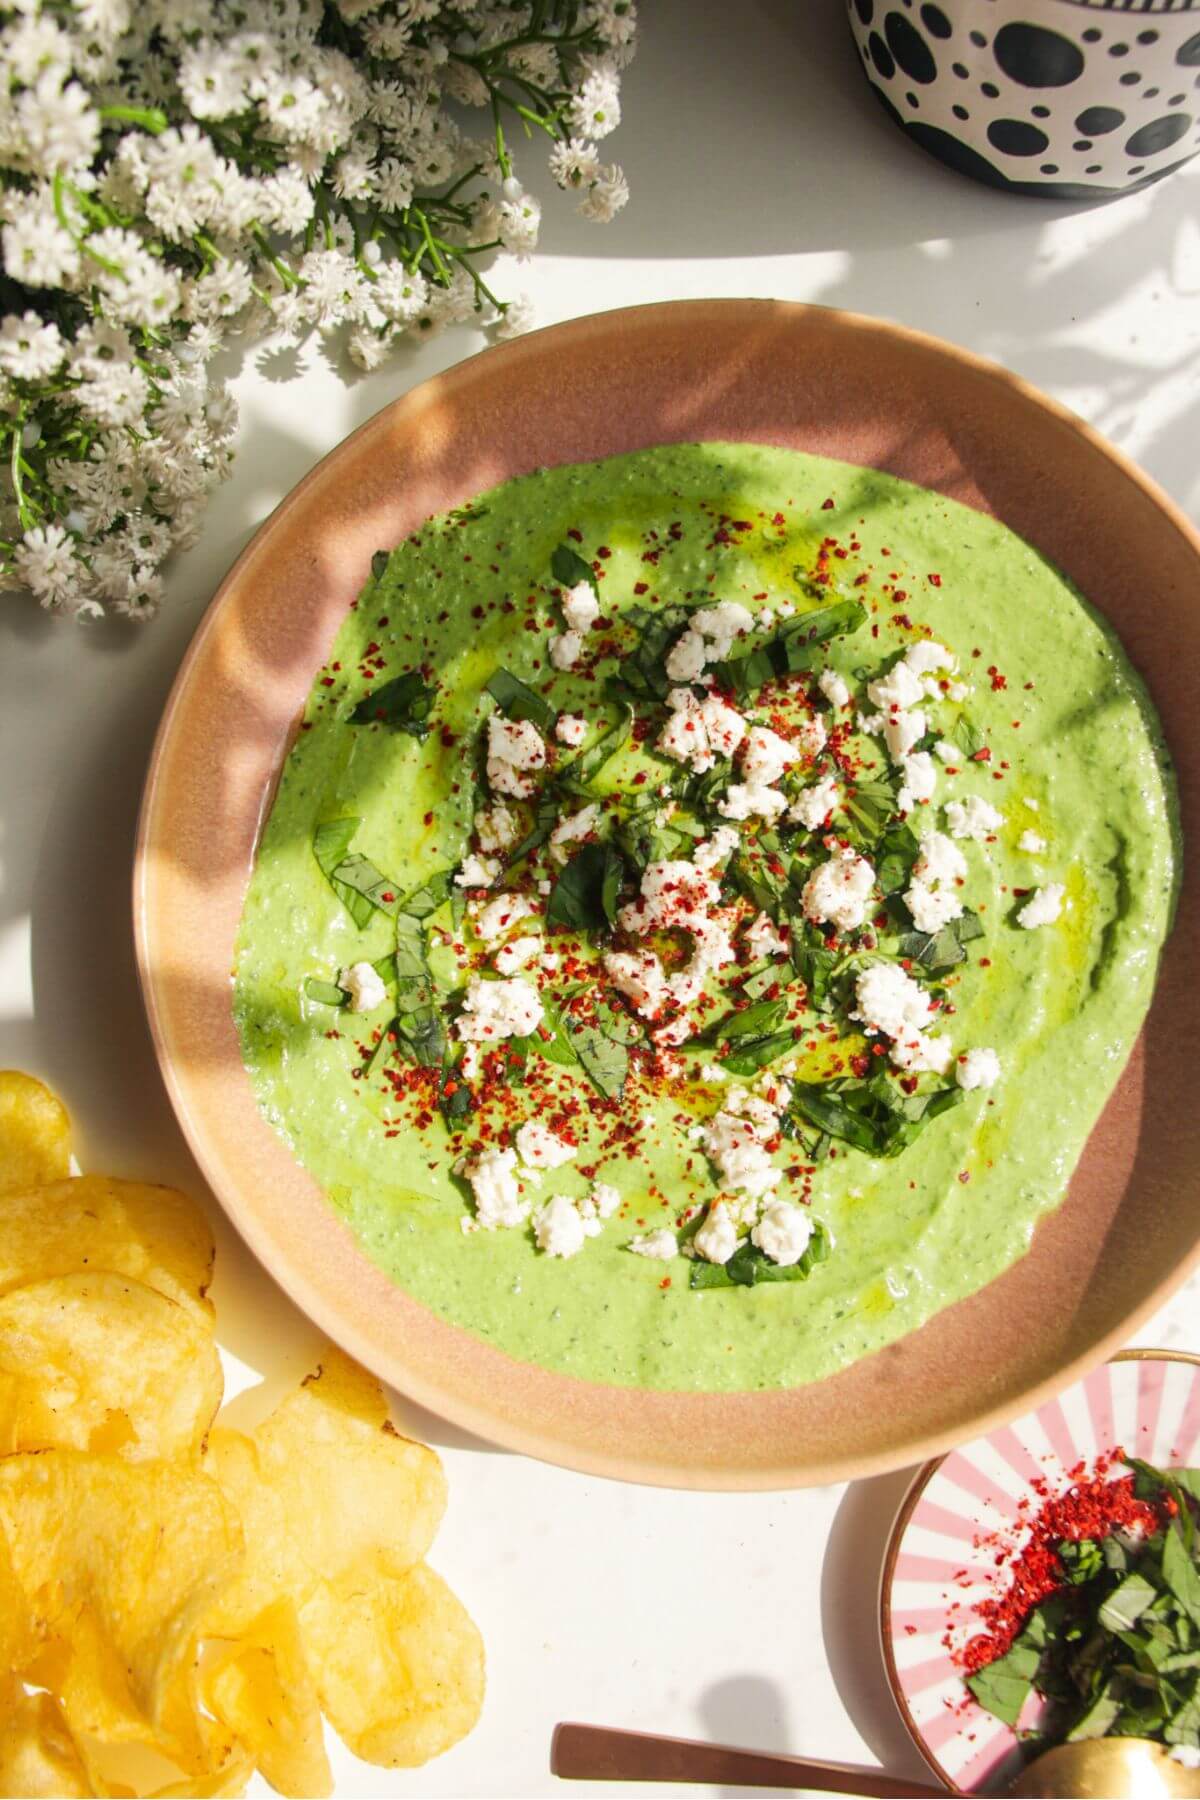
(174,171)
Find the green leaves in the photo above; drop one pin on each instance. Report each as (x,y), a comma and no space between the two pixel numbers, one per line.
(325,993)
(895,854)
(578,774)
(1004,1685)
(643,674)
(942,949)
(517,701)
(600,1050)
(569,569)
(402,705)
(751,1037)
(355,880)
(424,900)
(757,1053)
(796,646)
(379,563)
(1116,1650)
(584,897)
(748,1266)
(873,1115)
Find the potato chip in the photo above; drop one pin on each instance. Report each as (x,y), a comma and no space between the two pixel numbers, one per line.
(325,1480)
(96,1361)
(37,1752)
(121,1563)
(398,1662)
(261,1688)
(35,1133)
(154,1234)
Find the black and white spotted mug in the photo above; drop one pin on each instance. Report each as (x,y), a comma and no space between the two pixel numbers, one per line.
(1076,99)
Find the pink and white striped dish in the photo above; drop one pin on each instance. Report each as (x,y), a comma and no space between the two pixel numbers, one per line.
(1147,1403)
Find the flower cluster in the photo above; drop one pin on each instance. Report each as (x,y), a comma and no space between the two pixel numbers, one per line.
(186,169)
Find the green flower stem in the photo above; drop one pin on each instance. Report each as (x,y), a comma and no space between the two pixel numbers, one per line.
(149,118)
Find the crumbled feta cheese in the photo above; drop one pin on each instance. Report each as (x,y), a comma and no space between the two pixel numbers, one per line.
(499,1009)
(920,1054)
(558,1227)
(713,1072)
(926,657)
(477,871)
(782,1233)
(765,756)
(514,747)
(751,800)
(496,827)
(544,886)
(550,960)
(812,807)
(661,1245)
(933,898)
(733,1141)
(687,656)
(972,818)
(1044,908)
(708,638)
(896,691)
(1033,805)
(570,729)
(698,731)
(765,619)
(870,724)
(717,1238)
(763,939)
(572,830)
(676,1030)
(920,780)
(674,894)
(365,986)
(494,919)
(566,649)
(1186,1755)
(785,609)
(902,731)
(1031,841)
(958,691)
(516,954)
(839,891)
(539,1148)
(638,975)
(580,607)
(494,1185)
(603,1200)
(834,687)
(977,1069)
(890,1002)
(711,851)
(947,752)
(810,738)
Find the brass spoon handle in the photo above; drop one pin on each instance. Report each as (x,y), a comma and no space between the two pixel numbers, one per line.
(599,1753)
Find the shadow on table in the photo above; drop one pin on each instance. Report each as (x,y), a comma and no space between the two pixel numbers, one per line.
(850,1618)
(748,1712)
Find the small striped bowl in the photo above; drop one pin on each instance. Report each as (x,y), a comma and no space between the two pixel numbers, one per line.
(1146,1402)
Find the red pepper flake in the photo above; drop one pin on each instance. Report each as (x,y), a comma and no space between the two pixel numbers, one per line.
(665,1282)
(934,580)
(477,612)
(429,818)
(327,681)
(983,755)
(999,681)
(641,587)
(577,535)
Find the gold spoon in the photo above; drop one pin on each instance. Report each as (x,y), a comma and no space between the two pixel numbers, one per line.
(1099,1769)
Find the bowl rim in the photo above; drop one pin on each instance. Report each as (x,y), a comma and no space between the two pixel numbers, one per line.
(664,1468)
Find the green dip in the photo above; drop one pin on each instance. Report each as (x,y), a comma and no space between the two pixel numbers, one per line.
(1074,754)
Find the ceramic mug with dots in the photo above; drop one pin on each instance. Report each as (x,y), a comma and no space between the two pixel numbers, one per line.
(1074,99)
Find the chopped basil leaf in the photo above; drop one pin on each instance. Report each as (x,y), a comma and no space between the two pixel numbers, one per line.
(967,736)
(557,1048)
(379,563)
(868,807)
(584,897)
(545,818)
(581,770)
(403,704)
(330,842)
(569,569)
(794,647)
(757,1053)
(939,950)
(772,975)
(760,887)
(383,1048)
(325,993)
(517,701)
(872,1115)
(1180,1572)
(1126,1604)
(748,1266)
(896,852)
(815,965)
(605,1060)
(455,1099)
(752,1021)
(431,894)
(643,674)
(359,874)
(1004,1686)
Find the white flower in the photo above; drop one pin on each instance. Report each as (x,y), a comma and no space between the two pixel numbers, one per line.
(29,349)
(575,163)
(32,47)
(606,195)
(37,251)
(596,109)
(116,396)
(517,318)
(393,185)
(45,561)
(60,128)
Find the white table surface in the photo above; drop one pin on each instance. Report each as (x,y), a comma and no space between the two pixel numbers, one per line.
(760,165)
